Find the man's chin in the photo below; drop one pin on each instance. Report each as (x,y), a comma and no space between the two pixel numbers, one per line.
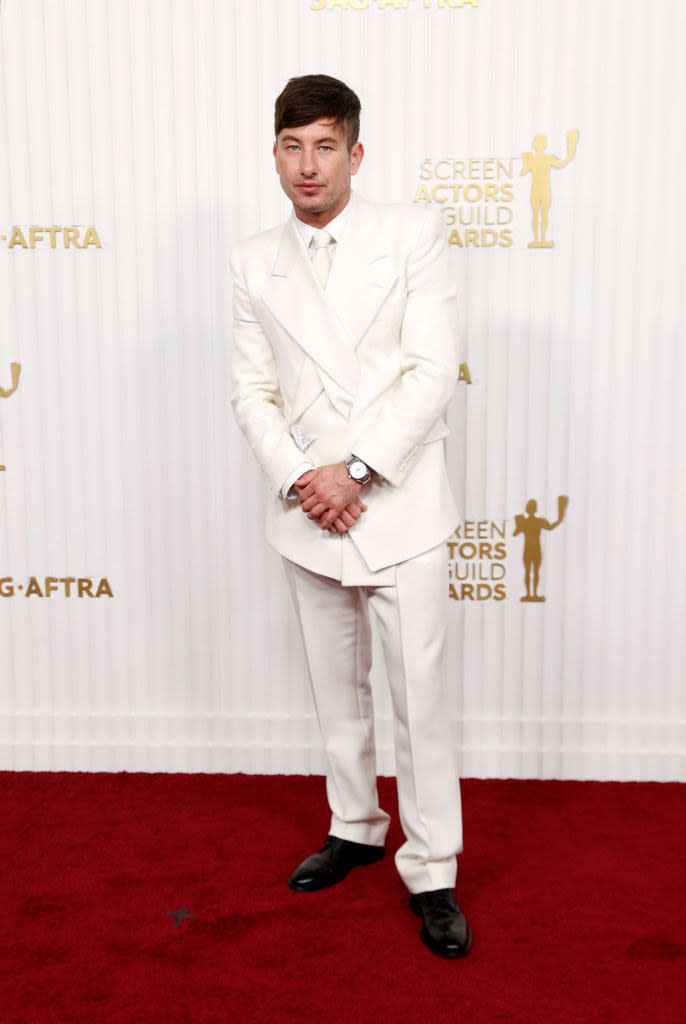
(312,203)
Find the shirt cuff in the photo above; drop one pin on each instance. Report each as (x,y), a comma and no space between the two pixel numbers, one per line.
(288,486)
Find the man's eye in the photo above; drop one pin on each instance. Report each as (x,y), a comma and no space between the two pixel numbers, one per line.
(325,147)
(292,146)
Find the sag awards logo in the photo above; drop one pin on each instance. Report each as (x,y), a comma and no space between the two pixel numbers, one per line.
(51,238)
(480,557)
(69,586)
(398,5)
(479,196)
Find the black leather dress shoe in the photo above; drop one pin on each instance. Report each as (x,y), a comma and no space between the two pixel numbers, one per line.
(445,930)
(332,864)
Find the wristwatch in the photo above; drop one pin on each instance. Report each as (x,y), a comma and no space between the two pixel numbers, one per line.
(358,470)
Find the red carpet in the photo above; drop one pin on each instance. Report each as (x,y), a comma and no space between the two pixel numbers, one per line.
(575,892)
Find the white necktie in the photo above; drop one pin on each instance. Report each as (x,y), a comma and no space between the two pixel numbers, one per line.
(321,260)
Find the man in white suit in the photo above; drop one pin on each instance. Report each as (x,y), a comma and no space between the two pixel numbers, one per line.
(344,362)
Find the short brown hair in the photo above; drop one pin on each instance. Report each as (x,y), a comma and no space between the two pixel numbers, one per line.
(310,97)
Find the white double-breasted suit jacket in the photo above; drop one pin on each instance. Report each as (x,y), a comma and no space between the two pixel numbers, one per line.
(366,366)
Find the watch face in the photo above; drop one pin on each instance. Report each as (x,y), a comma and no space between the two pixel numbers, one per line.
(358,469)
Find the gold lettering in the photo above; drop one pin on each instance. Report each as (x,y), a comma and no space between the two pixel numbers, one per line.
(464,374)
(440,164)
(458,168)
(15,369)
(474,169)
(434,193)
(489,170)
(505,238)
(471,237)
(455,238)
(504,168)
(476,191)
(6,586)
(338,3)
(506,193)
(35,235)
(33,588)
(469,532)
(71,235)
(425,169)
(488,238)
(50,585)
(67,580)
(85,586)
(359,5)
(53,235)
(423,193)
(103,588)
(491,192)
(317,5)
(17,238)
(91,238)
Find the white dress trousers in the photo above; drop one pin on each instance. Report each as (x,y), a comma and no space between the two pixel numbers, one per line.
(412,621)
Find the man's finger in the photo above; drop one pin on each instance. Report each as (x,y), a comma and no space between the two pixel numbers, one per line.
(329,518)
(303,480)
(306,492)
(316,511)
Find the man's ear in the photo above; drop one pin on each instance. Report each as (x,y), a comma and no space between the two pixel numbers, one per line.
(274,152)
(356,155)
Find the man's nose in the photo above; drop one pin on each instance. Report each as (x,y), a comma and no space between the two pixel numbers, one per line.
(308,164)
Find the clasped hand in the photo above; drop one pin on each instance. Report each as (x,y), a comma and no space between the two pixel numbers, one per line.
(329,495)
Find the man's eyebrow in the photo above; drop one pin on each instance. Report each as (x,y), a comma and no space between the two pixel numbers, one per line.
(317,142)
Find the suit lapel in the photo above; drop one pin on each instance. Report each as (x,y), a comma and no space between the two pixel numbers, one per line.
(329,325)
(362,272)
(296,299)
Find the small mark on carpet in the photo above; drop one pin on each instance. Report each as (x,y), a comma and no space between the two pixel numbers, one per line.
(179,915)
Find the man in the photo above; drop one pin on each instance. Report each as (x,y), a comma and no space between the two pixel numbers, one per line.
(344,362)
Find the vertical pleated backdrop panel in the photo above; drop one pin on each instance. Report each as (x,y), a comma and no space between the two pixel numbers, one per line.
(135,149)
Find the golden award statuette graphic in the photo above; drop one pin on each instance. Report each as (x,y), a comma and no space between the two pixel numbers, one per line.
(531,525)
(15,370)
(538,165)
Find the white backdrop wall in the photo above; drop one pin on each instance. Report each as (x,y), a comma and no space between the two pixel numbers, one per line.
(141,130)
